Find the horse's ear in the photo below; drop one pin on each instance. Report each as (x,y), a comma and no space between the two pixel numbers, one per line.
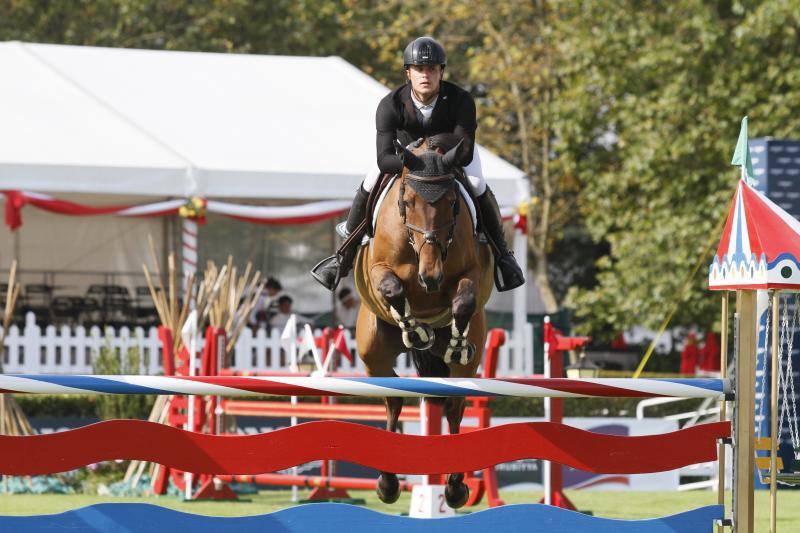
(409,160)
(455,154)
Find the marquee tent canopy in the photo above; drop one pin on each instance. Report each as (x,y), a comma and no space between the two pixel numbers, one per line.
(162,123)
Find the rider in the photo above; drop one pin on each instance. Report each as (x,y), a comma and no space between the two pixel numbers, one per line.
(424,107)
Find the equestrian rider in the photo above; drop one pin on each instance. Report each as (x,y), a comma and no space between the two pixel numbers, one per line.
(424,107)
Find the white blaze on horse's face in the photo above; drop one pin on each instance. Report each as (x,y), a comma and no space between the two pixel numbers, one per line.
(438,217)
(425,80)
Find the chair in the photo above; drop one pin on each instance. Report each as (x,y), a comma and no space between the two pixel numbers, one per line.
(117,290)
(63,309)
(145,310)
(96,291)
(38,297)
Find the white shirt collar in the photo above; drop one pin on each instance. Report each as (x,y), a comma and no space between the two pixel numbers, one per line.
(419,105)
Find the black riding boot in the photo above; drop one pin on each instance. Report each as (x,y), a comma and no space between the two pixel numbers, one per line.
(332,269)
(507,273)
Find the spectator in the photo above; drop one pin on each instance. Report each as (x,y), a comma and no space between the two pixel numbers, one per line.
(267,305)
(347,312)
(690,355)
(284,311)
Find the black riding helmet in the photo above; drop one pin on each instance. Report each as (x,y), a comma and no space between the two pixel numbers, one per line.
(424,51)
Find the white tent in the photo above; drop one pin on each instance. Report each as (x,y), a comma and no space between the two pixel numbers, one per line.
(105,122)
(121,121)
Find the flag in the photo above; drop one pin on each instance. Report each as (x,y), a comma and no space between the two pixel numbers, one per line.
(310,344)
(189,330)
(741,156)
(289,341)
(289,334)
(340,343)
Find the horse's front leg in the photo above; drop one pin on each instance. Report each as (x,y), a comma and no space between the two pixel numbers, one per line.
(415,334)
(459,349)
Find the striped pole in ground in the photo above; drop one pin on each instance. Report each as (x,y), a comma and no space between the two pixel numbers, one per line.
(189,246)
(365,387)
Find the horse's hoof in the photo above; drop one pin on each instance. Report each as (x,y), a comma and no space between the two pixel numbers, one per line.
(456,495)
(467,354)
(388,488)
(462,355)
(421,337)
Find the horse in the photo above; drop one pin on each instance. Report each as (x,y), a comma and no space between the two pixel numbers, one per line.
(424,279)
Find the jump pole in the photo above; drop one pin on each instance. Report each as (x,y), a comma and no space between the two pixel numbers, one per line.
(367,387)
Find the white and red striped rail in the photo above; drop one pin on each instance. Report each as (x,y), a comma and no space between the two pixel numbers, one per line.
(365,387)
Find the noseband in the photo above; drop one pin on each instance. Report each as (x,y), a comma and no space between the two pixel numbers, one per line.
(430,190)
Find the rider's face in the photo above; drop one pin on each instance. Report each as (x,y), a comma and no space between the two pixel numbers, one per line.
(425,80)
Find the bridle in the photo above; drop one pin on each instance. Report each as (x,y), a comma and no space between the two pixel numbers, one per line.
(430,234)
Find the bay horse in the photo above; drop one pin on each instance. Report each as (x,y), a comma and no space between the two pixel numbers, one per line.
(424,279)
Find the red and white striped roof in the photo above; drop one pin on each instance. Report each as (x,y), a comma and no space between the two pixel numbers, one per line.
(759,248)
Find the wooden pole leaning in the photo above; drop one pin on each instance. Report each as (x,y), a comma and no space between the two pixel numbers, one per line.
(773,431)
(723,373)
(744,432)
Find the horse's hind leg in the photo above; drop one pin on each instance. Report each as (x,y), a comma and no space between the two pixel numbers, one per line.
(388,487)
(456,491)
(378,345)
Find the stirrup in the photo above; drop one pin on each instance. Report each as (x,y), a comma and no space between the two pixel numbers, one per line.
(321,272)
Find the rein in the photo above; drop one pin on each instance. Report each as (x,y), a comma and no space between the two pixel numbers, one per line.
(430,234)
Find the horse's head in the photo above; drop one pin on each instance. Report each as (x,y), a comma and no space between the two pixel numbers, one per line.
(429,205)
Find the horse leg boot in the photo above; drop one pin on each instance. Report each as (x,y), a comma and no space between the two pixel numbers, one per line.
(332,269)
(416,335)
(459,349)
(456,492)
(507,273)
(388,487)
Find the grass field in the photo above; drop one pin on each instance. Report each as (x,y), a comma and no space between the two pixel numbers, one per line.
(627,505)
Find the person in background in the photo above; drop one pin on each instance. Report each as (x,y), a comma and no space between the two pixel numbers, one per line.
(284,311)
(267,305)
(347,311)
(690,355)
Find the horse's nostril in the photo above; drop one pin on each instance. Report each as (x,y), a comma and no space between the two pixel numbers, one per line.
(430,284)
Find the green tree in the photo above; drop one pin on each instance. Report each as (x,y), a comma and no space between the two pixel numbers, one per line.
(648,118)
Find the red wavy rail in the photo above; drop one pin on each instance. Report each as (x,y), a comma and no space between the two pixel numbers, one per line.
(354,443)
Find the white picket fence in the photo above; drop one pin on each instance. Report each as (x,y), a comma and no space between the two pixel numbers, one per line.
(68,350)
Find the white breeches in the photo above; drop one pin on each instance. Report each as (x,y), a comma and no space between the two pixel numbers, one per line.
(474,173)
